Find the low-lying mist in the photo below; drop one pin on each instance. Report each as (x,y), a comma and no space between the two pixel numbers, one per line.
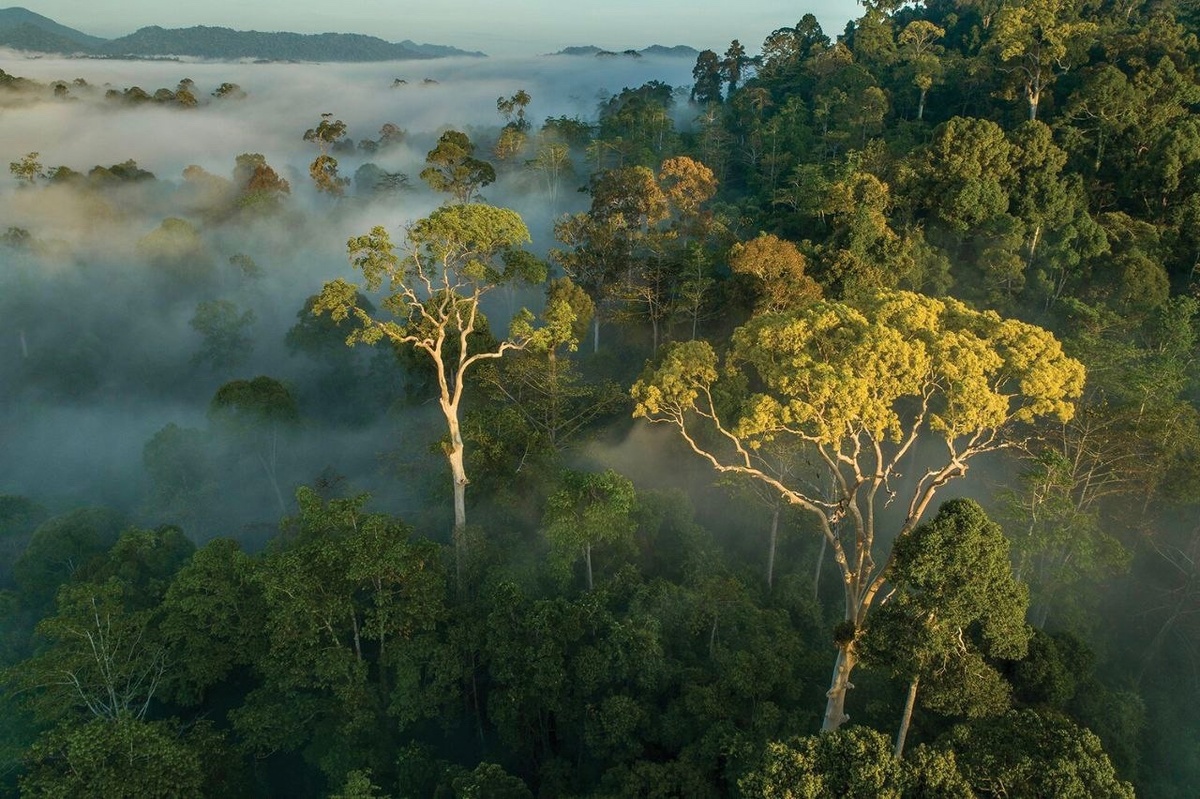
(103,276)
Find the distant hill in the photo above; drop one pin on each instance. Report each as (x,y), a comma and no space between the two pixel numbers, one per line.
(22,29)
(439,50)
(229,44)
(678,51)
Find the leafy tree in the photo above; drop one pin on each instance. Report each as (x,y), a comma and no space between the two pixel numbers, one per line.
(858,388)
(1036,40)
(145,561)
(733,65)
(348,607)
(552,162)
(706,78)
(636,125)
(99,662)
(850,762)
(259,186)
(324,172)
(176,248)
(541,401)
(589,509)
(953,602)
(225,343)
(921,57)
(779,268)
(257,410)
(454,258)
(62,548)
(125,758)
(327,133)
(28,170)
(786,50)
(1032,753)
(964,173)
(229,91)
(515,133)
(211,621)
(512,109)
(182,476)
(454,169)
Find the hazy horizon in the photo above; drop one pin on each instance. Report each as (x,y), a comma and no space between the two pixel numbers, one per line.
(524,27)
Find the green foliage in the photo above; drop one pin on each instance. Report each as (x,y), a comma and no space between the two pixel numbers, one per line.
(99,661)
(176,247)
(636,125)
(350,609)
(211,621)
(19,517)
(953,602)
(1029,753)
(247,404)
(327,133)
(779,268)
(183,480)
(853,762)
(260,188)
(223,329)
(964,172)
(28,170)
(62,548)
(359,786)
(324,173)
(123,757)
(453,168)
(587,511)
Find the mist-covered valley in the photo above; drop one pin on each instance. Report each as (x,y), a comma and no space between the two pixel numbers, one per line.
(99,298)
(819,418)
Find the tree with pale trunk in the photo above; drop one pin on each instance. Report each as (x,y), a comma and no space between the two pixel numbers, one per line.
(862,389)
(921,56)
(1035,41)
(432,295)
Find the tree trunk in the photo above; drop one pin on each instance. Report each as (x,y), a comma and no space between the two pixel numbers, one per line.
(1033,243)
(835,705)
(269,469)
(587,556)
(458,476)
(820,561)
(902,735)
(771,547)
(921,106)
(595,332)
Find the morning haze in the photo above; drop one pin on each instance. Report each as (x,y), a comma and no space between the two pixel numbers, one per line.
(793,408)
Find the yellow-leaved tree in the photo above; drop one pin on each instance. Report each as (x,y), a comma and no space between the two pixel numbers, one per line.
(859,389)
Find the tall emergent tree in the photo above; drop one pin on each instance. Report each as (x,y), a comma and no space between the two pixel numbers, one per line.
(453,258)
(859,389)
(324,169)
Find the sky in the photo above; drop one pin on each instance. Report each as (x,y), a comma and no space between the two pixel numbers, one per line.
(513,27)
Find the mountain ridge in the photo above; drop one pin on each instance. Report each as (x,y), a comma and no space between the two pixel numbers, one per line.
(22,29)
(678,51)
